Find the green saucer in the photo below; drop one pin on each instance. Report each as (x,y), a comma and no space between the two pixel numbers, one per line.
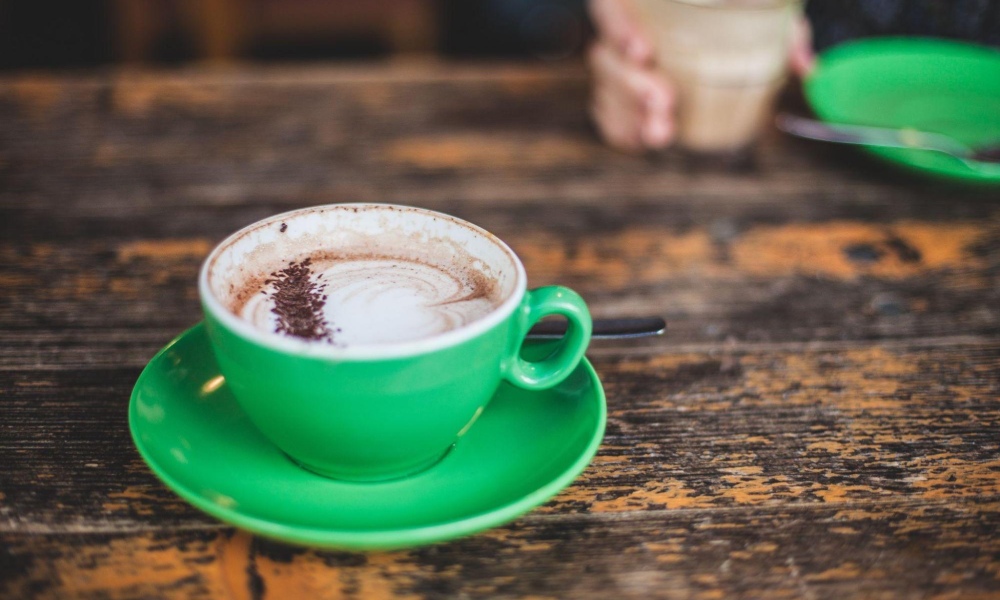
(919,83)
(526,447)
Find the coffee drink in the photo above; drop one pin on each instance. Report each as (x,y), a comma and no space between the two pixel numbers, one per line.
(365,340)
(727,59)
(347,286)
(344,300)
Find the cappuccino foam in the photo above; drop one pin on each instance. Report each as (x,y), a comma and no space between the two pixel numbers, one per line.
(348,276)
(348,300)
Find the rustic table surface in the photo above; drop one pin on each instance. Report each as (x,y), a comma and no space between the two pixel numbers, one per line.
(822,419)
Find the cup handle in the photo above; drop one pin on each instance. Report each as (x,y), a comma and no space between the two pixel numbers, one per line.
(550,371)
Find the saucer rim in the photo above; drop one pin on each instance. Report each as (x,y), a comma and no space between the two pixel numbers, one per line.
(376,539)
(868,51)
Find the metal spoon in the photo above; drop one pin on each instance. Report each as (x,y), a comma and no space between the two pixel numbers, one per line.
(986,157)
(606,329)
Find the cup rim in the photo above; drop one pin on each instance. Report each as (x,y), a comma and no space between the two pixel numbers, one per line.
(392,350)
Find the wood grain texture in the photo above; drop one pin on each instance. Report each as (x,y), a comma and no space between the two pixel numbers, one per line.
(820,421)
(685,431)
(877,550)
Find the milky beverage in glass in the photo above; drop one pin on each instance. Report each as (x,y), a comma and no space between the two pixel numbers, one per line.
(728,59)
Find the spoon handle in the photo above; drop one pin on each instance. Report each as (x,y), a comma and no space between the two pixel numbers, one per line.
(631,327)
(869,136)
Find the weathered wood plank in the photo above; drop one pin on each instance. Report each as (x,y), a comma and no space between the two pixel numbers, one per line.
(765,283)
(125,142)
(876,550)
(819,422)
(812,244)
(715,429)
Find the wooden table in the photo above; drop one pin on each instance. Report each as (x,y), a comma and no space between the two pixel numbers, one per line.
(822,419)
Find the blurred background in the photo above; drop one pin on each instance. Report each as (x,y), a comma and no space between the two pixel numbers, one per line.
(67,34)
(88,33)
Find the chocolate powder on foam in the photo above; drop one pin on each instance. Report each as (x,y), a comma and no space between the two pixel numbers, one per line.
(298,302)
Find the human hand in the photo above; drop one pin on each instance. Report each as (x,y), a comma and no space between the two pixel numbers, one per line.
(801,57)
(632,102)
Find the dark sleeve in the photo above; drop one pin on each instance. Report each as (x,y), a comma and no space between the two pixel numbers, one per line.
(836,21)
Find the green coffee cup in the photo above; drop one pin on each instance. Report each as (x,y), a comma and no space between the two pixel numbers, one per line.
(386,389)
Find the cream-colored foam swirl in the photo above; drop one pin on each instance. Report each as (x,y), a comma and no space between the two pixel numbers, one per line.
(385,300)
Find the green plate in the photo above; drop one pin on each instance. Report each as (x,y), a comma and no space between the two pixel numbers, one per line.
(925,84)
(526,447)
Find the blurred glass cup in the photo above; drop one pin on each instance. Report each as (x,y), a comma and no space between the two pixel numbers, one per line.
(728,59)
